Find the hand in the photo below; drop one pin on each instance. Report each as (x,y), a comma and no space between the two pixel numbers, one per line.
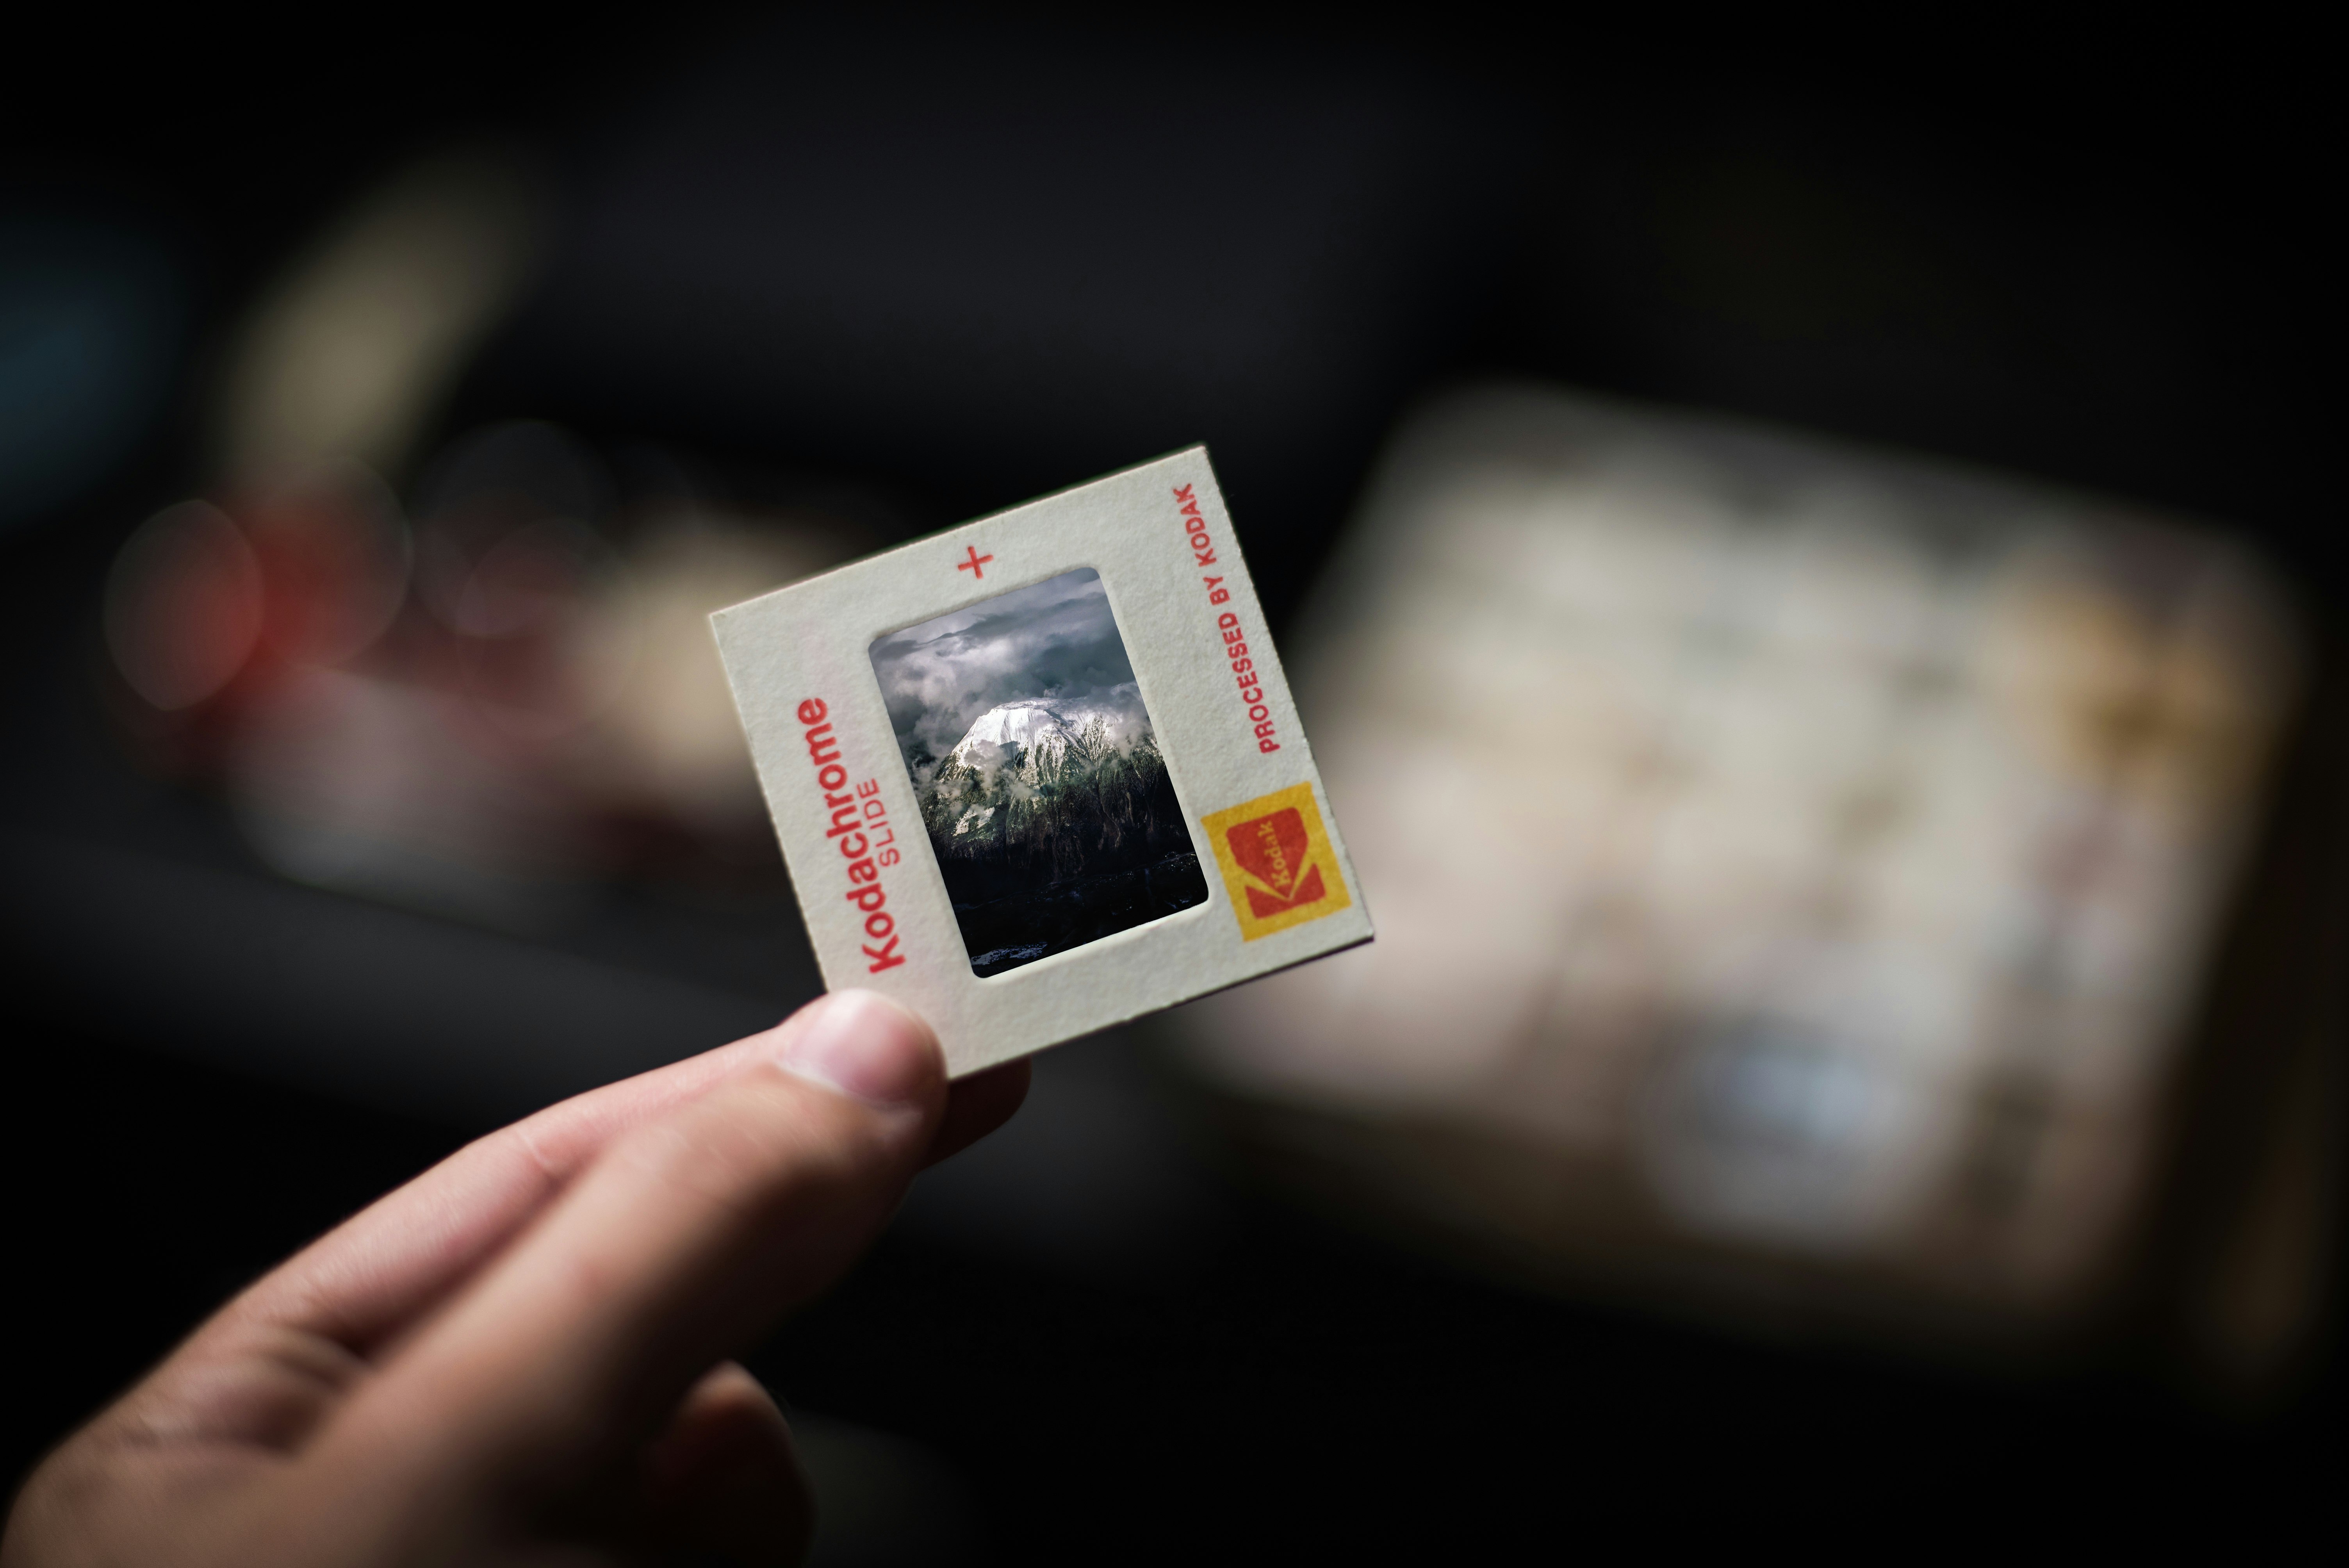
(520,1357)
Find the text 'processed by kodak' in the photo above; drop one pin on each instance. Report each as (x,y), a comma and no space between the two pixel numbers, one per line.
(1236,648)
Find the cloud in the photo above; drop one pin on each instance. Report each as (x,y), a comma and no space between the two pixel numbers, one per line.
(1055,641)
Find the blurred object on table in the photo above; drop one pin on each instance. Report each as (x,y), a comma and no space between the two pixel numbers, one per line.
(477,713)
(1796,870)
(480,710)
(350,356)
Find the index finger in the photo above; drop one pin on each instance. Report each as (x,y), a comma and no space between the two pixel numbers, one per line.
(685,1240)
(365,1281)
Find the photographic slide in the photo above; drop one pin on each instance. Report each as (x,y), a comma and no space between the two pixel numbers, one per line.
(981,817)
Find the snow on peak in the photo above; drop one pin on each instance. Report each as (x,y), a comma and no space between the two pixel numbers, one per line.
(1018,729)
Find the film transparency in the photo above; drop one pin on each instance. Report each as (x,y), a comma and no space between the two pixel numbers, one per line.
(1041,773)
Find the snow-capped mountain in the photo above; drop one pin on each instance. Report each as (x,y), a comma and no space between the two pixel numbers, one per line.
(1024,731)
(1042,800)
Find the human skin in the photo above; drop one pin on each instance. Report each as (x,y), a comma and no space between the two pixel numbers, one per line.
(523,1355)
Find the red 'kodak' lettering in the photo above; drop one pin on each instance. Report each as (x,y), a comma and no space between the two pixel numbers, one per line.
(1277,862)
(1272,851)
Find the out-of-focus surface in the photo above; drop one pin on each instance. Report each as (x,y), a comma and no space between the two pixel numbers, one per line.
(91,330)
(1825,892)
(1788,862)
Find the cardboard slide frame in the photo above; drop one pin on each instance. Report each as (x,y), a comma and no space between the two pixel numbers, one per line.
(1280,888)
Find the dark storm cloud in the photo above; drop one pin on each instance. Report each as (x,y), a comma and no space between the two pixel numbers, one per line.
(1054,641)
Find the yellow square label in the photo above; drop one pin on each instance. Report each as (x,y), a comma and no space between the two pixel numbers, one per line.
(1276,861)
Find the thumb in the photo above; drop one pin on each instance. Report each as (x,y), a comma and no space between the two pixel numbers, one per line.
(683,1242)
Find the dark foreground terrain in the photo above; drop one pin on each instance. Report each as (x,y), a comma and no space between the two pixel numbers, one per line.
(1005,932)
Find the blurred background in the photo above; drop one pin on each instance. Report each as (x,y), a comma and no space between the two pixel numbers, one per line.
(1809,562)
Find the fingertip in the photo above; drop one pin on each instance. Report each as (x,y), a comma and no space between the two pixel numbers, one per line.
(867,1046)
(725,1477)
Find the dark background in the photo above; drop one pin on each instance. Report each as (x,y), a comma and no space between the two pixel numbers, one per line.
(2098,260)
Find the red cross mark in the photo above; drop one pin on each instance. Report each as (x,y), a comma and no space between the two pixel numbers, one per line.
(972,564)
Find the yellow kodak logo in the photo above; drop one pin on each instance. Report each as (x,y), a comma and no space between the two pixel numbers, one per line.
(1276,861)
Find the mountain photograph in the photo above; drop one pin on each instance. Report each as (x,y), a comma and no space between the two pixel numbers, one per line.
(1043,791)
